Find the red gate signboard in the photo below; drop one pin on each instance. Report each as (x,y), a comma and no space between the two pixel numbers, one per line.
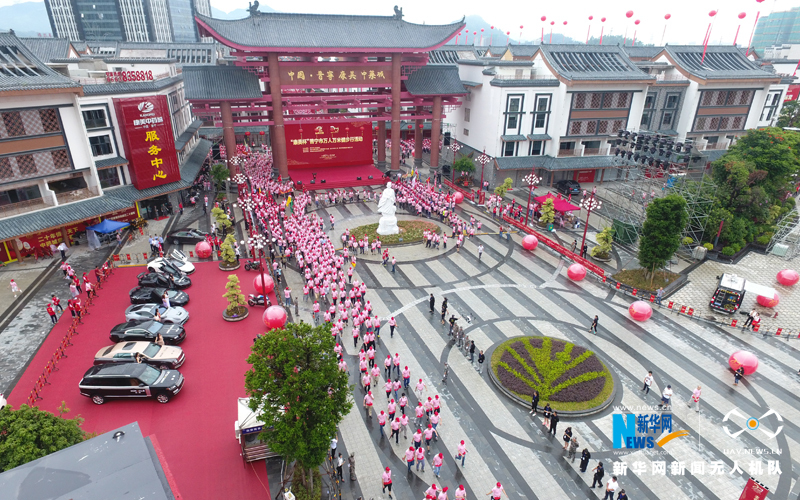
(343,144)
(149,141)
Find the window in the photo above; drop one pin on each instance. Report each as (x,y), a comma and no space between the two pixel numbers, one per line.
(514,104)
(101,145)
(646,116)
(512,122)
(466,114)
(650,101)
(466,132)
(672,101)
(771,106)
(13,123)
(666,120)
(566,146)
(109,177)
(712,140)
(537,148)
(20,194)
(49,118)
(94,118)
(508,148)
(541,111)
(513,113)
(518,74)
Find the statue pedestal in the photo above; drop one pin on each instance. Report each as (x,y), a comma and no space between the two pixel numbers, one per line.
(388,225)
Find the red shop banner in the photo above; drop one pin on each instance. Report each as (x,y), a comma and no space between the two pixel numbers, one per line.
(125,215)
(754,490)
(792,93)
(149,142)
(342,144)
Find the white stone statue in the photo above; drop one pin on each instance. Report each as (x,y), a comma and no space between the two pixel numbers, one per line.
(387,208)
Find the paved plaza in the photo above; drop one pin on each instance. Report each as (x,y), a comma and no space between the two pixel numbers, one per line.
(511,292)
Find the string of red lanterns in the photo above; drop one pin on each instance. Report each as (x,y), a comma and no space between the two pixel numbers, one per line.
(491,34)
(551,30)
(520,35)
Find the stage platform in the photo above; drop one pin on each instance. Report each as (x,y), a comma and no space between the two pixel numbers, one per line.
(337,177)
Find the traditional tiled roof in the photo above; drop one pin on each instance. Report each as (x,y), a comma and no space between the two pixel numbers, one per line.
(112,200)
(20,69)
(220,83)
(549,163)
(131,87)
(539,137)
(443,56)
(722,62)
(512,138)
(525,82)
(592,62)
(110,162)
(317,31)
(47,49)
(495,62)
(435,80)
(642,52)
(523,50)
(214,132)
(187,135)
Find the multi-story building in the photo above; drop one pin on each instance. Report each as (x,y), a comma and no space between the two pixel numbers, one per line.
(556,109)
(777,28)
(69,145)
(126,20)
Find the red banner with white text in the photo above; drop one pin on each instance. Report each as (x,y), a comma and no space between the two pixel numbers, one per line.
(341,144)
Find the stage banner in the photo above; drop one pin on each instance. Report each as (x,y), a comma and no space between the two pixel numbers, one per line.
(319,146)
(149,142)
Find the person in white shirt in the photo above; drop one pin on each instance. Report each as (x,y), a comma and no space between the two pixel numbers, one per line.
(611,488)
(665,397)
(648,381)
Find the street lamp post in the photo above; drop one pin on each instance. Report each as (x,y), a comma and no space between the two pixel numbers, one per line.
(589,203)
(248,205)
(483,159)
(454,148)
(531,180)
(258,242)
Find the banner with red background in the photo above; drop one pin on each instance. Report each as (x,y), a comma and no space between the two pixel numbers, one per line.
(342,144)
(149,142)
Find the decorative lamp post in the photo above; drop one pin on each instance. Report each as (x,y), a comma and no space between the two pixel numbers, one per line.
(531,180)
(257,242)
(483,159)
(454,148)
(589,203)
(248,205)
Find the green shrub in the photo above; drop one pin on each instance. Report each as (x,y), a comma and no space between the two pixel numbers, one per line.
(737,247)
(763,240)
(708,246)
(548,212)
(728,251)
(686,241)
(604,239)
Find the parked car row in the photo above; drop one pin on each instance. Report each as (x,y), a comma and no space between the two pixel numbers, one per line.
(136,366)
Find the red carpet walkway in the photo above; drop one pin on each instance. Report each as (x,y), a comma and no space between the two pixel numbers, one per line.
(337,177)
(196,429)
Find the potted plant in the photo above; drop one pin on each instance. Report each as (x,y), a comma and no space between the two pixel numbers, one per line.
(602,252)
(236,310)
(548,213)
(223,222)
(229,262)
(505,186)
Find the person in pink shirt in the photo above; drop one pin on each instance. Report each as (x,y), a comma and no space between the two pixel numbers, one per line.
(368,404)
(420,456)
(428,407)
(429,433)
(387,475)
(431,492)
(367,382)
(420,411)
(497,492)
(362,365)
(392,325)
(397,363)
(382,422)
(371,356)
(462,453)
(355,336)
(343,365)
(436,403)
(443,494)
(392,409)
(417,438)
(437,463)
(410,457)
(403,402)
(376,374)
(396,430)
(404,423)
(387,363)
(419,388)
(461,493)
(388,388)
(435,420)
(406,377)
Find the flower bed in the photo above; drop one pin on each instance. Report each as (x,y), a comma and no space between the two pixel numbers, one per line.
(568,376)
(410,231)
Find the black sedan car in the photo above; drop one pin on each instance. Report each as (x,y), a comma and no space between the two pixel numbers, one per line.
(147,331)
(147,295)
(162,280)
(568,187)
(186,235)
(130,380)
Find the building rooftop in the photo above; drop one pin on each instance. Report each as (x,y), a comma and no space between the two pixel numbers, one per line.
(435,80)
(642,52)
(722,62)
(47,49)
(21,70)
(314,32)
(220,82)
(592,62)
(549,163)
(131,87)
(523,50)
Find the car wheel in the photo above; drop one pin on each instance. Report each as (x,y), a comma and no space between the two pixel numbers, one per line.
(164,367)
(163,398)
(176,242)
(98,399)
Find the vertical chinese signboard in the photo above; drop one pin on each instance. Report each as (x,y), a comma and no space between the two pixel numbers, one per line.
(149,142)
(342,144)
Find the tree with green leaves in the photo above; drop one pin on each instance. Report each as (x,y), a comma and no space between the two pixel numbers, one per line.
(464,164)
(298,391)
(604,239)
(233,293)
(790,114)
(505,186)
(28,433)
(228,255)
(222,219)
(548,212)
(661,233)
(219,174)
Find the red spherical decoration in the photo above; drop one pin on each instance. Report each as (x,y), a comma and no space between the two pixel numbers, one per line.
(458,197)
(640,310)
(410,127)
(421,125)
(270,285)
(508,32)
(742,15)
(636,22)
(481,30)
(565,23)
(530,242)
(491,27)
(767,301)
(552,23)
(788,277)
(712,13)
(274,317)
(576,272)
(261,133)
(602,19)
(544,18)
(247,133)
(520,27)
(591,17)
(203,249)
(374,128)
(474,32)
(629,14)
(745,359)
(667,16)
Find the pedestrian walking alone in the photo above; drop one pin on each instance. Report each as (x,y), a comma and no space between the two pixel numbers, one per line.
(497,492)
(737,375)
(648,381)
(52,313)
(554,419)
(695,399)
(534,402)
(432,302)
(462,453)
(594,325)
(387,480)
(481,359)
(573,448)
(598,475)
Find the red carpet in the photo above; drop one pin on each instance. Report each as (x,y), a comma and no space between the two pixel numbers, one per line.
(195,431)
(337,177)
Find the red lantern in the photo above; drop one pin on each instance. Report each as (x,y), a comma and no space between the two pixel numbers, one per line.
(410,127)
(742,15)
(247,133)
(552,23)
(544,18)
(565,23)
(712,13)
(260,289)
(374,128)
(667,16)
(508,32)
(591,17)
(602,19)
(474,32)
(636,22)
(629,14)
(274,317)
(767,301)
(520,27)
(530,242)
(481,30)
(203,249)
(421,125)
(261,133)
(491,27)
(640,310)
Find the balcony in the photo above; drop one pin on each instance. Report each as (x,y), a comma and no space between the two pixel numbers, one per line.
(594,151)
(567,152)
(716,145)
(74,195)
(21,207)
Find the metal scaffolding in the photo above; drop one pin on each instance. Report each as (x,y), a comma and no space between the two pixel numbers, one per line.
(786,240)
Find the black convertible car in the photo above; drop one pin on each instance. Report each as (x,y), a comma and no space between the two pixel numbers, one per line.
(147,295)
(186,235)
(161,280)
(147,331)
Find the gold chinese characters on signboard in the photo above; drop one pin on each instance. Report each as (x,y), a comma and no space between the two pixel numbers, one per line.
(152,136)
(329,75)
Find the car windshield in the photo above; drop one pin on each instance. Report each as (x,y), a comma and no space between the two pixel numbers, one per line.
(153,327)
(151,350)
(149,376)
